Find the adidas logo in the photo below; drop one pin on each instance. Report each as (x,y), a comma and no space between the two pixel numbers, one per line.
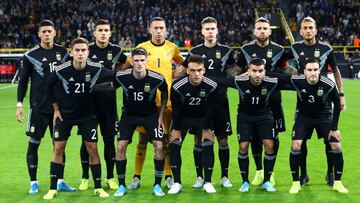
(188,95)
(131,87)
(247,91)
(44,59)
(204,56)
(303,91)
(254,55)
(302,53)
(71,79)
(94,57)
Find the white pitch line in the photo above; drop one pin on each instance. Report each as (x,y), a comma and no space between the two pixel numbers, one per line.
(7,87)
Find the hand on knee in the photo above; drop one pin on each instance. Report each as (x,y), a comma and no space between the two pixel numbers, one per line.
(175,135)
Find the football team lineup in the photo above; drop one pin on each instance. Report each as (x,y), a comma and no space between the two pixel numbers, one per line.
(211,95)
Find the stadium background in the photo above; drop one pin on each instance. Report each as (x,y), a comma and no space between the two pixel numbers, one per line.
(338,24)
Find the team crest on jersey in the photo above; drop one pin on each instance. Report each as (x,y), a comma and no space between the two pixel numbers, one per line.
(320,92)
(264,91)
(168,54)
(109,56)
(87,77)
(269,53)
(58,56)
(147,87)
(56,134)
(202,93)
(218,54)
(317,53)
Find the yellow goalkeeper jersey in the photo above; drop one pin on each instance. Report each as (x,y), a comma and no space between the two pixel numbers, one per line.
(160,59)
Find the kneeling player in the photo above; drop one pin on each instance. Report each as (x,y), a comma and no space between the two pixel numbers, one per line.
(192,97)
(315,96)
(139,108)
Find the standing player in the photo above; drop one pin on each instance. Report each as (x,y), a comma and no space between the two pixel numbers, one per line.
(139,108)
(192,98)
(312,47)
(73,107)
(161,55)
(255,120)
(315,96)
(108,54)
(37,64)
(271,53)
(218,59)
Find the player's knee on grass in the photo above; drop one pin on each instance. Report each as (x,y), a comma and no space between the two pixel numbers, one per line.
(158,149)
(269,146)
(296,144)
(243,147)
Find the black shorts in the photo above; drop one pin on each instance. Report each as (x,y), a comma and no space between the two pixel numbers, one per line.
(278,112)
(193,126)
(304,126)
(38,122)
(107,120)
(128,124)
(248,127)
(86,127)
(221,124)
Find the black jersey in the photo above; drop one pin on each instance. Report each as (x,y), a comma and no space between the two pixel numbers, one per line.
(254,100)
(321,50)
(192,101)
(216,60)
(108,57)
(272,54)
(77,85)
(37,64)
(139,94)
(315,100)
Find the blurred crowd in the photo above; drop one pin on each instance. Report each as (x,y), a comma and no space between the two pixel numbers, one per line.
(338,20)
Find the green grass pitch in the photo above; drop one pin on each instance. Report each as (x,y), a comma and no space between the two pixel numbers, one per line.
(14,180)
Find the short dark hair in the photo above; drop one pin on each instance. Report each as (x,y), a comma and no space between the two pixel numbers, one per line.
(102,22)
(311,60)
(46,23)
(194,58)
(157,19)
(79,40)
(263,20)
(208,20)
(256,62)
(139,51)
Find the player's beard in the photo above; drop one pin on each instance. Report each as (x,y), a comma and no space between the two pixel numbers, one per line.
(312,80)
(262,38)
(256,80)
